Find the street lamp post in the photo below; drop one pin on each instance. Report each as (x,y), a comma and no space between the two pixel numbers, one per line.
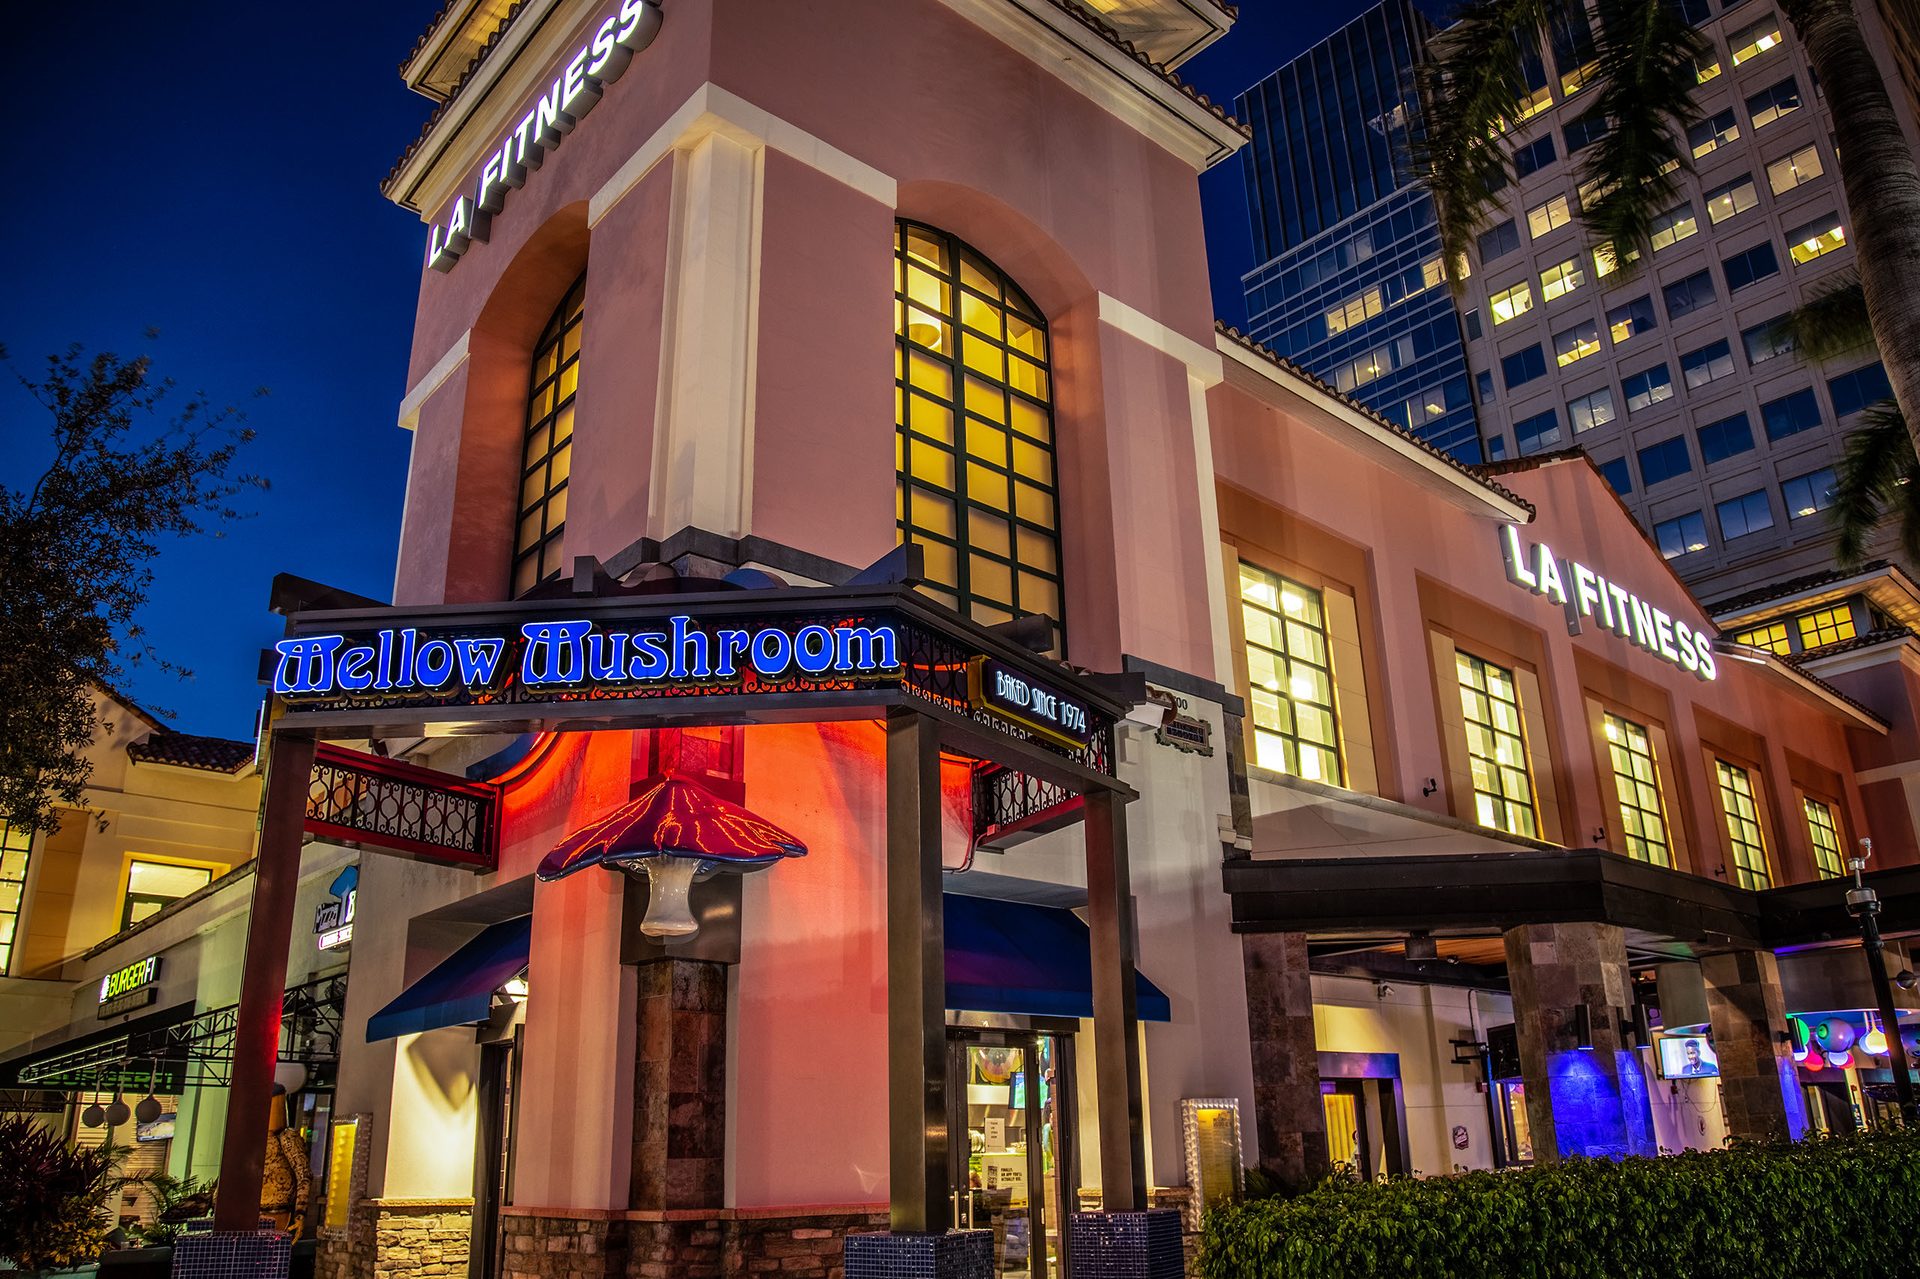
(1864,905)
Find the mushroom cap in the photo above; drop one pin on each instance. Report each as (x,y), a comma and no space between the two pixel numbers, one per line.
(673,817)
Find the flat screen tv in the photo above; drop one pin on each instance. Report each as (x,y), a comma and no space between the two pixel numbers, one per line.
(1685,1056)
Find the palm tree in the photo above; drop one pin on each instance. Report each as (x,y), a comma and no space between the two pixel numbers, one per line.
(1877,480)
(1473,88)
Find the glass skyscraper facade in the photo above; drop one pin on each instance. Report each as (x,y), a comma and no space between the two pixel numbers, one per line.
(1350,284)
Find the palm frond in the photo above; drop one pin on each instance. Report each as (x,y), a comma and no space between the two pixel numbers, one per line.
(1832,322)
(1647,55)
(1470,88)
(1877,484)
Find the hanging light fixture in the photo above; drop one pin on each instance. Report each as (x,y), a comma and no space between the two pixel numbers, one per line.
(149,1108)
(118,1111)
(93,1116)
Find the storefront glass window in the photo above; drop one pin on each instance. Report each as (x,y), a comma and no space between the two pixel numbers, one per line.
(1496,747)
(1637,779)
(1289,677)
(546,459)
(1744,838)
(1772,637)
(153,886)
(1825,626)
(973,418)
(1824,833)
(15,844)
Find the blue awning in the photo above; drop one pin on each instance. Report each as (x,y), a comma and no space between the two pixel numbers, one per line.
(1015,957)
(459,990)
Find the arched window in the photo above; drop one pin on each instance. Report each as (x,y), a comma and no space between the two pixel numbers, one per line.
(547,458)
(972,404)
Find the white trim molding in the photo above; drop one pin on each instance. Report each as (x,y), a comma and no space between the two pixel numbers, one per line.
(1203,363)
(434,378)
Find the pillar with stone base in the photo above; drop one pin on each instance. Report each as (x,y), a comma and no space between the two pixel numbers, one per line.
(1759,1084)
(1582,1098)
(1290,1120)
(680,1086)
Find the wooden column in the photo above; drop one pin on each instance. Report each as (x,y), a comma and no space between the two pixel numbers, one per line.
(263,983)
(916,981)
(1116,1036)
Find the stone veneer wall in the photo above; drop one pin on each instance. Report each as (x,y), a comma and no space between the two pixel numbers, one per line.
(399,1239)
(680,1244)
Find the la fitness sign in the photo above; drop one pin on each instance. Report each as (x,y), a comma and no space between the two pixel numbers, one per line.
(554,114)
(1585,593)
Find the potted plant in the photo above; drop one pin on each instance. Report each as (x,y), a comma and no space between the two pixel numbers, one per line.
(148,1253)
(53,1197)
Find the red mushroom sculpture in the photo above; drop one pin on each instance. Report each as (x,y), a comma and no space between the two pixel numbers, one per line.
(677,831)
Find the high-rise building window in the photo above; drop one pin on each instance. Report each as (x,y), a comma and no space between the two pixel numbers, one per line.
(1816,239)
(1853,391)
(1618,474)
(1808,495)
(1595,408)
(1647,388)
(1731,199)
(1510,303)
(1824,834)
(1773,102)
(1290,676)
(1498,240)
(1825,626)
(973,394)
(1630,319)
(1754,39)
(1550,216)
(1706,364)
(1744,838)
(15,844)
(1688,294)
(1725,438)
(1768,340)
(1713,133)
(546,457)
(1534,156)
(1771,636)
(1636,778)
(1673,226)
(1561,279)
(1523,366)
(1789,171)
(1496,747)
(1538,433)
(1750,266)
(1791,414)
(1682,535)
(1664,461)
(1739,516)
(1577,343)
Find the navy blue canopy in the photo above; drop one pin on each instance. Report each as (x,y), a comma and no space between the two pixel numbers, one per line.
(459,990)
(1015,957)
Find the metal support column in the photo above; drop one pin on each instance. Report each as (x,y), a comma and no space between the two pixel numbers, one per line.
(1116,1037)
(916,981)
(263,984)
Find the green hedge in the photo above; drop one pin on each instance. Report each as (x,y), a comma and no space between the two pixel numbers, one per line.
(1848,1206)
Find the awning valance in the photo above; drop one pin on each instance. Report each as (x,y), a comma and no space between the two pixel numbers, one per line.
(1015,957)
(459,990)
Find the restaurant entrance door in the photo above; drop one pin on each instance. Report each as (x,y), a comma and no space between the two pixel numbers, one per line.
(1012,1160)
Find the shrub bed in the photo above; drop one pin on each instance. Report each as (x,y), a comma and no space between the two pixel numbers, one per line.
(1830,1206)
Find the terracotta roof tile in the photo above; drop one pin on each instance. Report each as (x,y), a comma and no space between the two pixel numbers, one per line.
(184,750)
(1087,19)
(1793,586)
(1872,639)
(440,111)
(1476,474)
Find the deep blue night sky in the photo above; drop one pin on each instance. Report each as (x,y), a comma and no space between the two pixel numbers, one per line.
(211,170)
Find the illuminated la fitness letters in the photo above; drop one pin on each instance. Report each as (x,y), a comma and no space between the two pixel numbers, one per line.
(576,654)
(573,93)
(1585,593)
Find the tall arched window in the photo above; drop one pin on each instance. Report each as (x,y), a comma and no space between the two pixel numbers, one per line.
(547,458)
(972,405)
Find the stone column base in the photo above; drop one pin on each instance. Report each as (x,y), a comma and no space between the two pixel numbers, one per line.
(958,1254)
(1124,1245)
(233,1254)
(398,1239)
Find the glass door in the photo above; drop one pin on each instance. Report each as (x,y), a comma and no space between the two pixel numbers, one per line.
(1009,1116)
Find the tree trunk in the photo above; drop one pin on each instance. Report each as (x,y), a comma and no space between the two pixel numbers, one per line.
(1882,181)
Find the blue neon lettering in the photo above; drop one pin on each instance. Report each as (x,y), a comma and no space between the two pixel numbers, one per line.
(353,674)
(606,655)
(686,639)
(864,648)
(306,665)
(727,646)
(479,659)
(383,667)
(554,653)
(652,661)
(408,638)
(772,660)
(813,649)
(433,664)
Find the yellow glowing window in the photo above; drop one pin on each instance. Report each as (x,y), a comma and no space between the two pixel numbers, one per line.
(1577,343)
(1432,272)
(1636,779)
(1511,303)
(15,845)
(1734,198)
(1289,677)
(1561,279)
(1744,838)
(1673,226)
(1706,68)
(1825,626)
(1606,261)
(1816,239)
(973,428)
(546,458)
(1496,746)
(1355,311)
(1536,102)
(1750,41)
(1772,637)
(1578,78)
(1550,216)
(1824,833)
(1790,171)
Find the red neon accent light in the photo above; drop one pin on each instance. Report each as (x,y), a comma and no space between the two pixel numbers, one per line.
(674,817)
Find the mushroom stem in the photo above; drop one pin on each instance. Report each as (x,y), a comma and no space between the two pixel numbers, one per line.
(669,880)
